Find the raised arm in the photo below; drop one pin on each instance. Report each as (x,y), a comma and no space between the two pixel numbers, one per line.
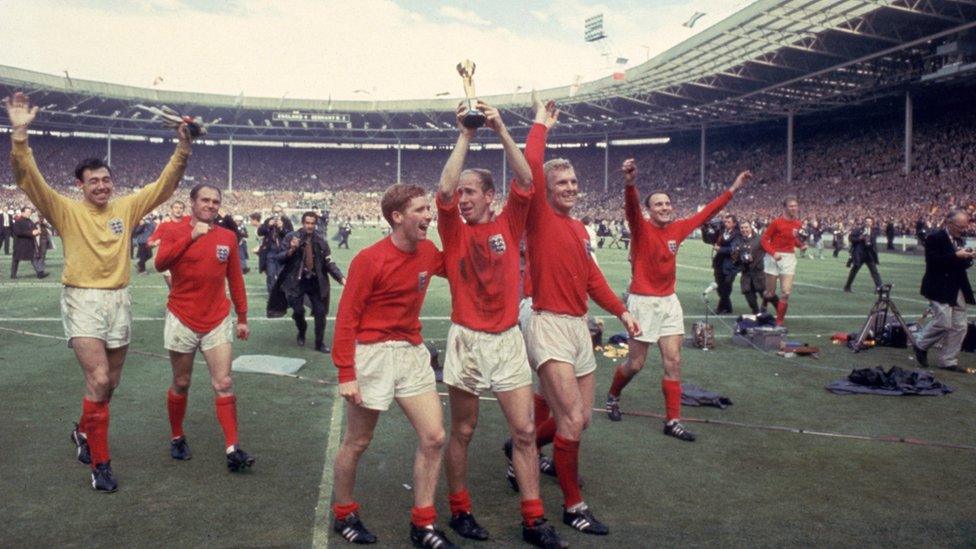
(451,174)
(28,177)
(632,207)
(516,160)
(689,224)
(154,194)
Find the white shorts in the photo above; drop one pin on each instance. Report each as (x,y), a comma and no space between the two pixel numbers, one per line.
(480,361)
(785,266)
(101,314)
(180,338)
(657,316)
(392,369)
(565,338)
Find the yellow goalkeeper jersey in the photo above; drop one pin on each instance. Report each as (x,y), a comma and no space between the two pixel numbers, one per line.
(96,240)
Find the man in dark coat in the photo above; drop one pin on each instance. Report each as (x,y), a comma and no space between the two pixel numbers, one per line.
(306,264)
(141,236)
(748,256)
(890,234)
(25,243)
(864,251)
(946,286)
(723,267)
(272,231)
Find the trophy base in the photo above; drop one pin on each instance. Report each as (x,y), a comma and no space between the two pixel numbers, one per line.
(474,119)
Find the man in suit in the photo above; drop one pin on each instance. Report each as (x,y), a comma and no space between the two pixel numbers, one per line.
(306,264)
(864,251)
(946,286)
(748,256)
(25,243)
(723,267)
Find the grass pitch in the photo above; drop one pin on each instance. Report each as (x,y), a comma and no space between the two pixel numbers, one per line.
(739,485)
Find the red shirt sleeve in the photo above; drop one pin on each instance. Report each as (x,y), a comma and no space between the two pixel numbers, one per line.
(448,220)
(517,209)
(535,153)
(359,284)
(684,227)
(235,279)
(172,245)
(632,211)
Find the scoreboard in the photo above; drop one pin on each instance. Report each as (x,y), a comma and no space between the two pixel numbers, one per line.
(298,116)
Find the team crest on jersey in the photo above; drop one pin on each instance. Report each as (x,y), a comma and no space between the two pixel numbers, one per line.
(116,226)
(421,281)
(673,246)
(497,243)
(223,253)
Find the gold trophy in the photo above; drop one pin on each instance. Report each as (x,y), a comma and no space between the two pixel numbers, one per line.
(473,118)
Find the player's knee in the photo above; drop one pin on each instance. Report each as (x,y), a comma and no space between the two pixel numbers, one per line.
(575,421)
(463,430)
(100,382)
(523,435)
(181,384)
(357,444)
(433,440)
(223,384)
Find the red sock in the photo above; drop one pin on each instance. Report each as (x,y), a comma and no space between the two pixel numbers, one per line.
(781,311)
(672,398)
(176,405)
(95,419)
(343,511)
(227,416)
(423,516)
(541,408)
(460,502)
(545,433)
(532,511)
(566,455)
(620,380)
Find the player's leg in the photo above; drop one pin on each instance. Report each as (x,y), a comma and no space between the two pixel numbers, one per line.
(464,420)
(786,288)
(636,358)
(219,359)
(424,413)
(563,392)
(670,347)
(360,424)
(517,405)
(771,279)
(94,361)
(176,399)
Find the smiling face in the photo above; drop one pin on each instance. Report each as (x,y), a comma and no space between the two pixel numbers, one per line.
(563,189)
(96,185)
(746,229)
(792,209)
(659,206)
(473,201)
(412,222)
(206,205)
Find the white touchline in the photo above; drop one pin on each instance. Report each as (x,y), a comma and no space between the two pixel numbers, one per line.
(323,509)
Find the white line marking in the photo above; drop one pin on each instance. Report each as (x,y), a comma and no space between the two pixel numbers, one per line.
(323,510)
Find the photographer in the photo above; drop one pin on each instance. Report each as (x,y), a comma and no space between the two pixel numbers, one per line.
(306,264)
(946,286)
(272,231)
(723,267)
(748,256)
(864,251)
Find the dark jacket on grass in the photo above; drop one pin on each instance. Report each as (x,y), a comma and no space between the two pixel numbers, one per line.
(945,274)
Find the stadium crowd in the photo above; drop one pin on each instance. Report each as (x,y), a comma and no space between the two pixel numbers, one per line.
(842,172)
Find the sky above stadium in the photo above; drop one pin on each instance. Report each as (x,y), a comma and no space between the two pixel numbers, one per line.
(342,49)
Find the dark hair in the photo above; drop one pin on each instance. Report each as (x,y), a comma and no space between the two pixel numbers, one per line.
(647,199)
(311,214)
(90,164)
(396,198)
(255,216)
(200,186)
(789,198)
(487,181)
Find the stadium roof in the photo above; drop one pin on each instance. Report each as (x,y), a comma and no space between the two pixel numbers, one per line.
(773,57)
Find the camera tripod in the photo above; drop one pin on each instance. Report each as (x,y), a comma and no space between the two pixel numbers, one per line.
(878,319)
